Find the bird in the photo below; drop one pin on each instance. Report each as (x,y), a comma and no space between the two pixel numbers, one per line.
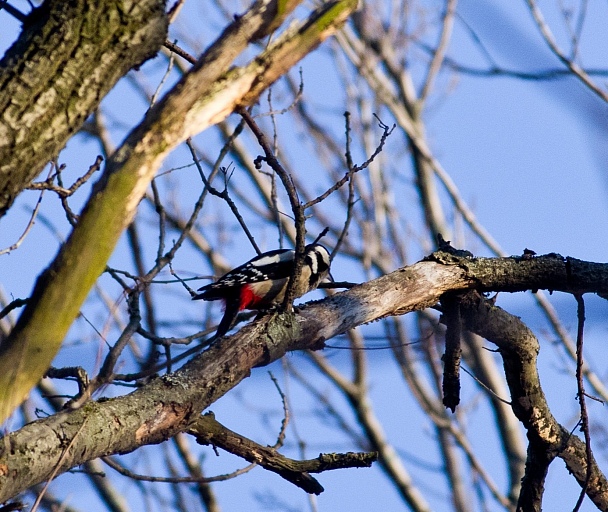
(262,282)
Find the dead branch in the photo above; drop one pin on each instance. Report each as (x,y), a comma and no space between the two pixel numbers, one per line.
(209,431)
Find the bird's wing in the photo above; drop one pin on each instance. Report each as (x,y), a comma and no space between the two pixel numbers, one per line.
(271,265)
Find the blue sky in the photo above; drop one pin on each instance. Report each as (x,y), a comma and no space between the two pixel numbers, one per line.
(530,159)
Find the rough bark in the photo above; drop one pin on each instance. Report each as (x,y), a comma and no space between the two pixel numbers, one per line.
(67,58)
(169,404)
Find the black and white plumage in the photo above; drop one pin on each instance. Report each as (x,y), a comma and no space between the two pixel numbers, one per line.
(262,282)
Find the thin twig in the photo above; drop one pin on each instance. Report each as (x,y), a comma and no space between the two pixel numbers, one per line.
(106,373)
(581,396)
(163,79)
(17,303)
(576,70)
(175,480)
(60,190)
(161,340)
(451,358)
(493,70)
(224,193)
(179,51)
(439,53)
(160,210)
(130,377)
(14,12)
(27,229)
(294,200)
(487,388)
(351,186)
(285,421)
(356,168)
(294,102)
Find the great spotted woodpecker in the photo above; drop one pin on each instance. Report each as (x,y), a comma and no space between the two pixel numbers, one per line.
(262,282)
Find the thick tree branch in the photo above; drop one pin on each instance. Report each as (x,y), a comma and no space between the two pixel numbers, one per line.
(547,438)
(169,404)
(67,58)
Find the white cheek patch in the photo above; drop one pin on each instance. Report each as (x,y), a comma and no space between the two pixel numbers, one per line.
(316,258)
(314,265)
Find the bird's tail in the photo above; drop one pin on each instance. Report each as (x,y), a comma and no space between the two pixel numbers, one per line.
(230,314)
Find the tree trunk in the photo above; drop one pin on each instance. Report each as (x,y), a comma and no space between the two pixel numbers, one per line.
(67,58)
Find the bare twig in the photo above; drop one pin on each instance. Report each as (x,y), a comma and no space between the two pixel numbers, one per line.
(13,11)
(106,372)
(576,70)
(581,397)
(60,190)
(281,437)
(548,75)
(483,385)
(386,131)
(175,480)
(439,52)
(351,186)
(224,193)
(75,372)
(174,10)
(17,303)
(163,79)
(27,229)
(294,102)
(179,51)
(294,200)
